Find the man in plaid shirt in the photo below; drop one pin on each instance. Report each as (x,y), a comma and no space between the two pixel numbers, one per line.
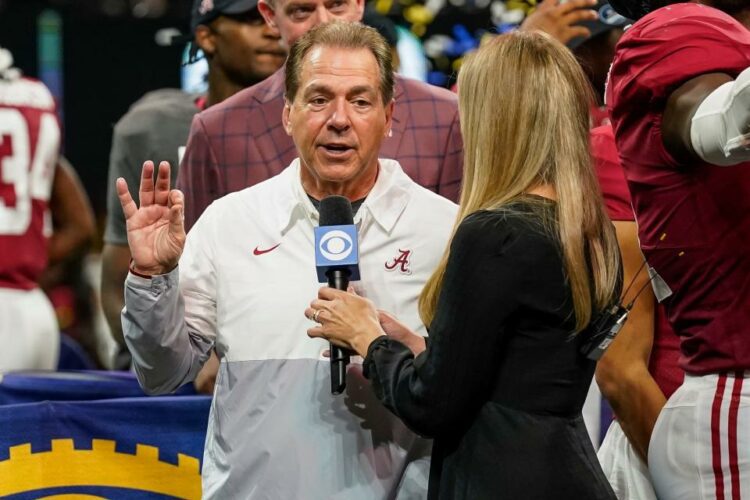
(241,141)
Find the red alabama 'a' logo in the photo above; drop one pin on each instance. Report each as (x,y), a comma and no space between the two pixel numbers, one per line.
(400,263)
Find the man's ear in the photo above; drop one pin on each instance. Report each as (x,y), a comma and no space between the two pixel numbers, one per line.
(285,117)
(268,13)
(389,117)
(204,38)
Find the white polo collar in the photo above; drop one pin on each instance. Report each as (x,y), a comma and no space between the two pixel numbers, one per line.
(385,202)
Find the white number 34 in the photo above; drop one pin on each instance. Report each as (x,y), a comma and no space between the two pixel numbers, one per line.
(25,176)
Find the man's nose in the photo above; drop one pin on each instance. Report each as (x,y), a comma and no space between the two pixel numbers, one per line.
(323,15)
(339,119)
(270,33)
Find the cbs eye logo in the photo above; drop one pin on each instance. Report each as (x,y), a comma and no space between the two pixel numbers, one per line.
(336,245)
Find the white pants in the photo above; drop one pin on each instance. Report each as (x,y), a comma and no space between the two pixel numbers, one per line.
(29,335)
(622,466)
(700,447)
(592,413)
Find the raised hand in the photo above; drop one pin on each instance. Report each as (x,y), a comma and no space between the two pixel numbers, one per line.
(156,233)
(560,19)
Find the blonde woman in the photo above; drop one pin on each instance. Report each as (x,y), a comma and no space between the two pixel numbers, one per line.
(533,258)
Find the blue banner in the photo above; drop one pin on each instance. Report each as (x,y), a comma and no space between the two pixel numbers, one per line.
(33,386)
(118,448)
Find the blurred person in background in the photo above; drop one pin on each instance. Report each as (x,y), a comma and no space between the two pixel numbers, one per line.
(64,280)
(35,180)
(387,30)
(564,21)
(241,51)
(595,53)
(501,382)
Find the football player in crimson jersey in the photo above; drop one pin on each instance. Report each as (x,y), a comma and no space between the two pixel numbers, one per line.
(679,100)
(30,172)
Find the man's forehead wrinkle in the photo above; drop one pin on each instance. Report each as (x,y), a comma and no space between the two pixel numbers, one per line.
(329,72)
(341,59)
(338,69)
(324,70)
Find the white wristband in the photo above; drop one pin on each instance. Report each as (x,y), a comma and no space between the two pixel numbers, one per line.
(720,128)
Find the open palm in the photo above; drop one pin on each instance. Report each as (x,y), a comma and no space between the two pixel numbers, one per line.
(156,233)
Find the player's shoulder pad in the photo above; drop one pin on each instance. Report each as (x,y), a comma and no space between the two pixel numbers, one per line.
(26,92)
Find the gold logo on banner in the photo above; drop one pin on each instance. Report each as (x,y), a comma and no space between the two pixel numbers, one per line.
(64,466)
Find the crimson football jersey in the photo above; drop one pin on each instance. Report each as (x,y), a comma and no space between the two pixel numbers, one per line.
(693,219)
(665,351)
(29,148)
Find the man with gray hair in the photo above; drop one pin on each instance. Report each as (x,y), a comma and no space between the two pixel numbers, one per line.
(247,268)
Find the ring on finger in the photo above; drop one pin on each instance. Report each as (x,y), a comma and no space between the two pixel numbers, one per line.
(315,315)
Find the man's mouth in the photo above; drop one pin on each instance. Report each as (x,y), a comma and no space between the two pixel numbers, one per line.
(271,52)
(336,148)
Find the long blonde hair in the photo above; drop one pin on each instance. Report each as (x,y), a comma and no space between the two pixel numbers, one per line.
(523,101)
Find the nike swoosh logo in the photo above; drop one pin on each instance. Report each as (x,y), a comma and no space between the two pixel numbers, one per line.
(258,251)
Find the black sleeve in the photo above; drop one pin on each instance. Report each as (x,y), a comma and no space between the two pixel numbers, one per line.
(450,380)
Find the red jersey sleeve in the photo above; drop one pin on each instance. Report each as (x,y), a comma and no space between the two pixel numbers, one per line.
(609,172)
(662,51)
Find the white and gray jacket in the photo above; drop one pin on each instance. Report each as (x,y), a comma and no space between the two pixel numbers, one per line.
(245,277)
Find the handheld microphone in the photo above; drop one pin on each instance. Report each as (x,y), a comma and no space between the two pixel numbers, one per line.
(337,262)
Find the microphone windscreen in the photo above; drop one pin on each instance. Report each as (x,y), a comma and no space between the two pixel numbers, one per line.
(335,211)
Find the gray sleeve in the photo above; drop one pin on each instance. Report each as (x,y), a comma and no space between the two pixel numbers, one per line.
(166,353)
(122,163)
(153,129)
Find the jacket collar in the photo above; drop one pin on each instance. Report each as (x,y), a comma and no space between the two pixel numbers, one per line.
(384,204)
